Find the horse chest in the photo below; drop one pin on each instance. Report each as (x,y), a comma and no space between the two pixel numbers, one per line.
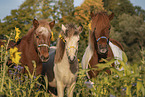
(63,72)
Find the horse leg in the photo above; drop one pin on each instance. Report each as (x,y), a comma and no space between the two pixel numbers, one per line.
(70,90)
(60,88)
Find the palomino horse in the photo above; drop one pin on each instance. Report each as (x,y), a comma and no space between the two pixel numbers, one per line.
(35,45)
(62,67)
(100,45)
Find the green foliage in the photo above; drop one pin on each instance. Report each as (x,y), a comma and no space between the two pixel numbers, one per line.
(130,33)
(129,82)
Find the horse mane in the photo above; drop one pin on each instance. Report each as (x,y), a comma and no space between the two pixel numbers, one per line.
(60,50)
(98,18)
(71,30)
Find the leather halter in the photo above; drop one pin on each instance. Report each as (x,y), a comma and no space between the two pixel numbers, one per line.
(40,45)
(102,38)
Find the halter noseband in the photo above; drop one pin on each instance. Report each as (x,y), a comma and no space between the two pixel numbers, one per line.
(40,45)
(104,38)
(71,47)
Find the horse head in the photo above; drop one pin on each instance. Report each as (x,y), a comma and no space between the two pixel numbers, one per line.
(100,25)
(71,39)
(42,37)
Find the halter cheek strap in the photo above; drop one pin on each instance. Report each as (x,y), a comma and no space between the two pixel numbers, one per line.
(104,38)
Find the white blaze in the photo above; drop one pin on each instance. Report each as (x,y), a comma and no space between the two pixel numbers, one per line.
(44,31)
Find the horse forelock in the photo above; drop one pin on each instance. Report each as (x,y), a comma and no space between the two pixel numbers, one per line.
(71,30)
(99,22)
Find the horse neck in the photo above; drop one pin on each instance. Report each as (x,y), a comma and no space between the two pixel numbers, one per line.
(31,45)
(59,51)
(65,63)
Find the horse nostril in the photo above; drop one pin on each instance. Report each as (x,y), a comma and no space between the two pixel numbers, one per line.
(69,57)
(104,50)
(42,57)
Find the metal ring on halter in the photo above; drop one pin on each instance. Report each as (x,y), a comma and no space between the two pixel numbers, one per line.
(43,45)
(102,37)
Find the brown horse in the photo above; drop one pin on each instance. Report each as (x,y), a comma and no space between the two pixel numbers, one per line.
(100,45)
(35,45)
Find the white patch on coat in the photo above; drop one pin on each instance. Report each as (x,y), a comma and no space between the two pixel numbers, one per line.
(44,31)
(117,52)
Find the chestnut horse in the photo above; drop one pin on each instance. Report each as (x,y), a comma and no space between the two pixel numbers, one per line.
(62,67)
(100,45)
(35,45)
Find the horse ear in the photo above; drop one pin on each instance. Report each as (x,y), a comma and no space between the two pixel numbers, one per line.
(92,14)
(35,23)
(51,24)
(63,28)
(80,28)
(111,16)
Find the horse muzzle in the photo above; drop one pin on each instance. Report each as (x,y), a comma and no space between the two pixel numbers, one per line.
(44,58)
(43,50)
(71,59)
(102,50)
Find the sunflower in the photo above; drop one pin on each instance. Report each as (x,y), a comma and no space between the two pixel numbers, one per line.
(17,34)
(15,55)
(61,37)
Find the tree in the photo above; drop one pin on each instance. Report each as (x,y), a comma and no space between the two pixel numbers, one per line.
(119,6)
(131,35)
(21,18)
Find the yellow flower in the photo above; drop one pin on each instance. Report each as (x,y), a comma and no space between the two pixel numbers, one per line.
(52,38)
(17,34)
(15,55)
(78,60)
(89,25)
(60,36)
(2,46)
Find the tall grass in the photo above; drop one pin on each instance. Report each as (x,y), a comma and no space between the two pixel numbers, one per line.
(129,82)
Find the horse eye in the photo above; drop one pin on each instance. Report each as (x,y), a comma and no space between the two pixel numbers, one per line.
(37,36)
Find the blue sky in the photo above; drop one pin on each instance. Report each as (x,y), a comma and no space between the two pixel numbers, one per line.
(7,5)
